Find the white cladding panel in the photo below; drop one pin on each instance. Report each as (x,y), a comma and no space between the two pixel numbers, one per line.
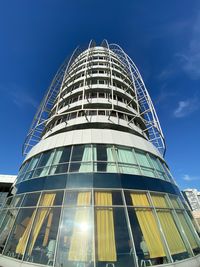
(93,136)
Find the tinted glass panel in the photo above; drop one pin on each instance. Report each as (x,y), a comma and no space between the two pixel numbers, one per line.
(30,199)
(17,241)
(42,242)
(77,153)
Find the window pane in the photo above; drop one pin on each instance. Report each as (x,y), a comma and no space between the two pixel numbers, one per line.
(61,168)
(156,163)
(148,172)
(33,163)
(62,155)
(16,202)
(100,153)
(147,237)
(46,159)
(42,242)
(51,198)
(76,238)
(142,159)
(78,198)
(17,241)
(30,199)
(189,233)
(104,198)
(159,201)
(126,156)
(6,226)
(77,153)
(113,243)
(175,202)
(172,235)
(129,169)
(139,199)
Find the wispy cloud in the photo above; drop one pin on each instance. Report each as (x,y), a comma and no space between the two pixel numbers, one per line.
(186,107)
(18,95)
(190,59)
(188,178)
(22,98)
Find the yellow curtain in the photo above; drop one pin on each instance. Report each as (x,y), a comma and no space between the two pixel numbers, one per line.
(159,201)
(20,248)
(172,235)
(175,203)
(106,247)
(187,231)
(148,227)
(47,200)
(47,231)
(81,242)
(139,199)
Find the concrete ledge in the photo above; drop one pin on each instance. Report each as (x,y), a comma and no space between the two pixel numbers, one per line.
(11,262)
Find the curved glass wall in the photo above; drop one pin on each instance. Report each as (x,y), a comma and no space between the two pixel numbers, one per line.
(94,158)
(97,227)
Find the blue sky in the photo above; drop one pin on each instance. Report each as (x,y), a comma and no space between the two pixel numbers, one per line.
(162,38)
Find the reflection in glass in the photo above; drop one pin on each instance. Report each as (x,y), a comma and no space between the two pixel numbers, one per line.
(76,242)
(6,226)
(51,198)
(159,200)
(189,233)
(77,198)
(30,199)
(172,235)
(42,242)
(113,244)
(147,238)
(18,238)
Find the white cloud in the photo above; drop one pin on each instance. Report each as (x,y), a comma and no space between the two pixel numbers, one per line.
(189,178)
(186,107)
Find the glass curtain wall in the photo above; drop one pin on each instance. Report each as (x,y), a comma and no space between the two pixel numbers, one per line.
(97,227)
(94,158)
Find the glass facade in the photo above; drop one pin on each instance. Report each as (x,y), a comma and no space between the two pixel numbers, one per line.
(96,226)
(94,158)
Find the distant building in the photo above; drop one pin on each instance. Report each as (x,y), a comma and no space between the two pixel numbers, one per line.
(192,197)
(6,181)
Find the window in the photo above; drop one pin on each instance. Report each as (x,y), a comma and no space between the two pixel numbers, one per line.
(6,226)
(147,237)
(62,155)
(17,241)
(76,236)
(42,241)
(126,161)
(30,199)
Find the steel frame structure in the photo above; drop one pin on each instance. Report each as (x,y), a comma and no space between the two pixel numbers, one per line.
(145,109)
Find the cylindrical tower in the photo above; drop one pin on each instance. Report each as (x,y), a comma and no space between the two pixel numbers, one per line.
(94,188)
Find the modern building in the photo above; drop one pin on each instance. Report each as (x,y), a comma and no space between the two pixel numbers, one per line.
(6,182)
(94,188)
(192,197)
